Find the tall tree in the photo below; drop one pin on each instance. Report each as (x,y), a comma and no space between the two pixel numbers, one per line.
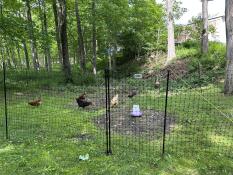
(228,88)
(1,6)
(81,48)
(26,54)
(58,39)
(171,52)
(32,37)
(25,49)
(8,58)
(18,52)
(62,20)
(204,38)
(94,35)
(12,55)
(46,41)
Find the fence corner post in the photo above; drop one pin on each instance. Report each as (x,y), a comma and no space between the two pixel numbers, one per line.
(165,112)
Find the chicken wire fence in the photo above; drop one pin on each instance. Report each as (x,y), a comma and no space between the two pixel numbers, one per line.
(180,113)
(135,114)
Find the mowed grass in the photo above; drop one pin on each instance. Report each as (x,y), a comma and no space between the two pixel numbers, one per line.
(50,138)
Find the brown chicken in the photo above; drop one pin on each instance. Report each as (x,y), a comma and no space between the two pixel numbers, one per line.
(35,102)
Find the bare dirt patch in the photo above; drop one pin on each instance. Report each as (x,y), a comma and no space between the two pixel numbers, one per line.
(150,124)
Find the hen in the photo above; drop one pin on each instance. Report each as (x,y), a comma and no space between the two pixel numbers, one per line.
(114,101)
(157,83)
(82,102)
(35,102)
(132,94)
(83,96)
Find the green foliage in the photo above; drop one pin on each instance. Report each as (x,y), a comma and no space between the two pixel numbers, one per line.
(195,28)
(214,60)
(12,27)
(178,11)
(129,26)
(190,44)
(138,33)
(189,49)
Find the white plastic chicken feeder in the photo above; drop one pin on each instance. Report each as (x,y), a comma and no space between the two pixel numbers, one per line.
(136,111)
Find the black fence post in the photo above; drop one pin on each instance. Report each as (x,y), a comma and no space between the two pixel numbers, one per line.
(5,99)
(108,112)
(106,72)
(165,113)
(109,117)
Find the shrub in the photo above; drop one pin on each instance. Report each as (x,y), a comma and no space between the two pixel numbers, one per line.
(214,60)
(190,44)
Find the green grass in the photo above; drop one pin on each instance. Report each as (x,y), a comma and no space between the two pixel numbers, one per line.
(50,138)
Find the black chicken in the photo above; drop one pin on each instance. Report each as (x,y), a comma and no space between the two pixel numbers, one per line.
(83,103)
(132,94)
(83,96)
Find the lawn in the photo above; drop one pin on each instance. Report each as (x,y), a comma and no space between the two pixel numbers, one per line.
(50,138)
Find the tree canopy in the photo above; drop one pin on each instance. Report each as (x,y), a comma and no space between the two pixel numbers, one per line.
(125,28)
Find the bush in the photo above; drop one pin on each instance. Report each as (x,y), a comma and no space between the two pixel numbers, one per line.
(187,49)
(190,44)
(214,60)
(182,52)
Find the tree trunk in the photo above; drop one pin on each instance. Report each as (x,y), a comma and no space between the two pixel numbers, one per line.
(171,54)
(94,35)
(157,45)
(204,42)
(32,38)
(26,54)
(81,49)
(46,44)
(47,47)
(64,43)
(12,52)
(18,53)
(109,57)
(58,39)
(8,58)
(114,57)
(2,55)
(228,87)
(1,7)
(74,56)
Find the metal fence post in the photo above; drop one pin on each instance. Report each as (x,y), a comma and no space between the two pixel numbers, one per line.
(165,113)
(109,117)
(5,99)
(106,72)
(108,112)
